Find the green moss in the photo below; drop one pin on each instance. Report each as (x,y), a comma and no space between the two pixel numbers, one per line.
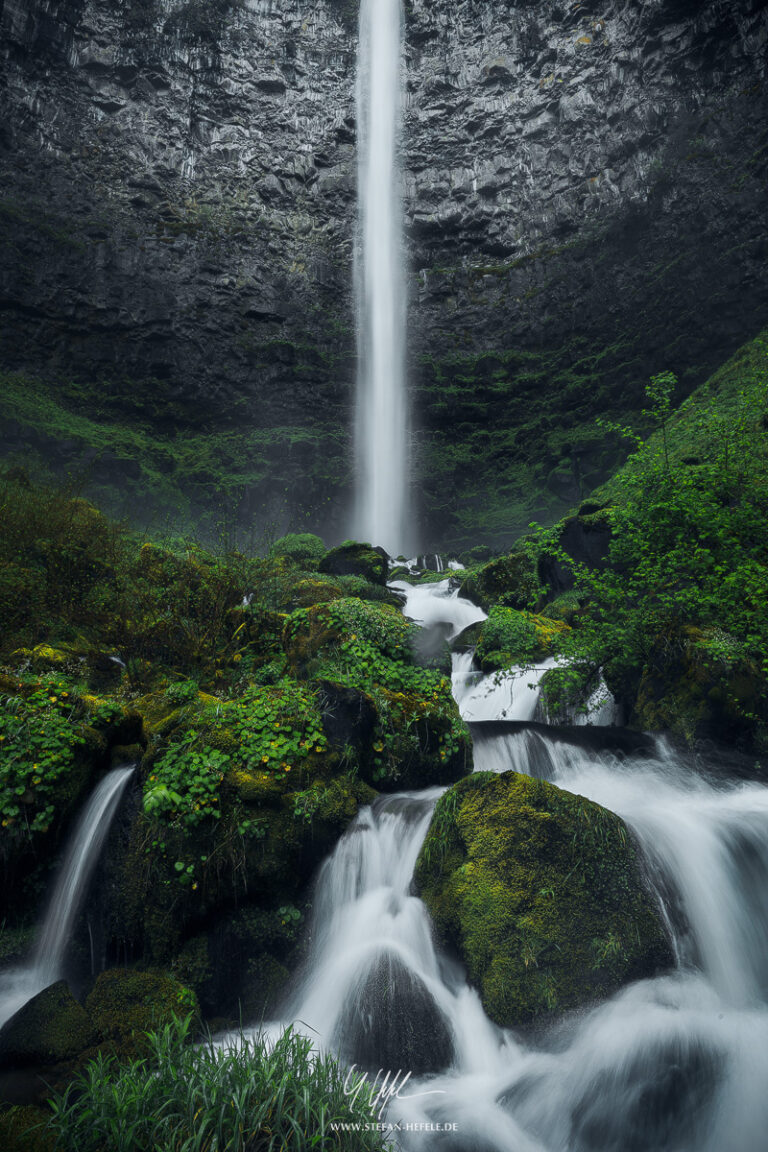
(510,581)
(53,740)
(541,892)
(25,1129)
(126,1003)
(508,637)
(303,548)
(50,1028)
(355,559)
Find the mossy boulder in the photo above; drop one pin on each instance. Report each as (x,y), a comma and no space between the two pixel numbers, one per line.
(241,799)
(354,559)
(511,637)
(303,549)
(24,1128)
(327,630)
(418,737)
(419,740)
(313,591)
(510,580)
(585,540)
(541,892)
(99,668)
(126,1003)
(700,684)
(50,1028)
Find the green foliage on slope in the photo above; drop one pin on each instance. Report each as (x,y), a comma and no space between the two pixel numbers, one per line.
(677,619)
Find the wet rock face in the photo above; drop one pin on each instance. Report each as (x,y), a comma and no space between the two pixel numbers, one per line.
(586,200)
(584,196)
(181,182)
(392,1021)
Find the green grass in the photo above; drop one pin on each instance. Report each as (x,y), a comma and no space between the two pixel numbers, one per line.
(252,1097)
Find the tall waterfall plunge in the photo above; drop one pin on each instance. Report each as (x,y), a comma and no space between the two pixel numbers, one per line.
(382,419)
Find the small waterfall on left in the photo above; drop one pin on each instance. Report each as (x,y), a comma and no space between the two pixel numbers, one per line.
(19,985)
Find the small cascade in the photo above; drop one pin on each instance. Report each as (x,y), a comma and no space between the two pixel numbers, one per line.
(499,695)
(435,605)
(374,988)
(82,853)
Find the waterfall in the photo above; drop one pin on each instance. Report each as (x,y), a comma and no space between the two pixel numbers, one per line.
(677,1063)
(382,457)
(82,853)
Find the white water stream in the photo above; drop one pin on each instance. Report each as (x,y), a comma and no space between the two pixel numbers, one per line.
(382,418)
(46,963)
(678,1063)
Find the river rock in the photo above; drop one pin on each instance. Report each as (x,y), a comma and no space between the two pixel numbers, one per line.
(353,559)
(392,1022)
(541,892)
(50,1028)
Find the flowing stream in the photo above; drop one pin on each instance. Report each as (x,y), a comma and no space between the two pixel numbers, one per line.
(678,1063)
(382,462)
(46,963)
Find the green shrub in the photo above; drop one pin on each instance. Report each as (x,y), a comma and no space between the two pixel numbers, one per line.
(303,548)
(249,1097)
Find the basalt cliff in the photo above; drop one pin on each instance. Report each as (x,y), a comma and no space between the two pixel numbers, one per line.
(585,200)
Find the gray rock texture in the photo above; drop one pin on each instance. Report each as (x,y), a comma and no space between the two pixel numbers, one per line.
(585,197)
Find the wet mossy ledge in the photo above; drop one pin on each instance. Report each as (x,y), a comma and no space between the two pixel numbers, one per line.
(263,700)
(541,893)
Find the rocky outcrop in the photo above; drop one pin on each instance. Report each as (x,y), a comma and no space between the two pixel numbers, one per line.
(585,204)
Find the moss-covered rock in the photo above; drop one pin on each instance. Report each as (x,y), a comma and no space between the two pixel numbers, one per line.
(511,637)
(329,631)
(510,580)
(699,684)
(303,549)
(583,539)
(542,894)
(241,799)
(25,1129)
(50,1028)
(125,1003)
(354,559)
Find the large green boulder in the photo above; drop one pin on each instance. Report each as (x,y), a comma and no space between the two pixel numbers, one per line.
(354,559)
(48,1029)
(542,894)
(509,580)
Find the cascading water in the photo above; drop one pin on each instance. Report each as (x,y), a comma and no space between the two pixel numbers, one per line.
(382,458)
(678,1063)
(47,960)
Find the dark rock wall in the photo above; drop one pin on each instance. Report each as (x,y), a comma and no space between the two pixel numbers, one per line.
(585,197)
(587,206)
